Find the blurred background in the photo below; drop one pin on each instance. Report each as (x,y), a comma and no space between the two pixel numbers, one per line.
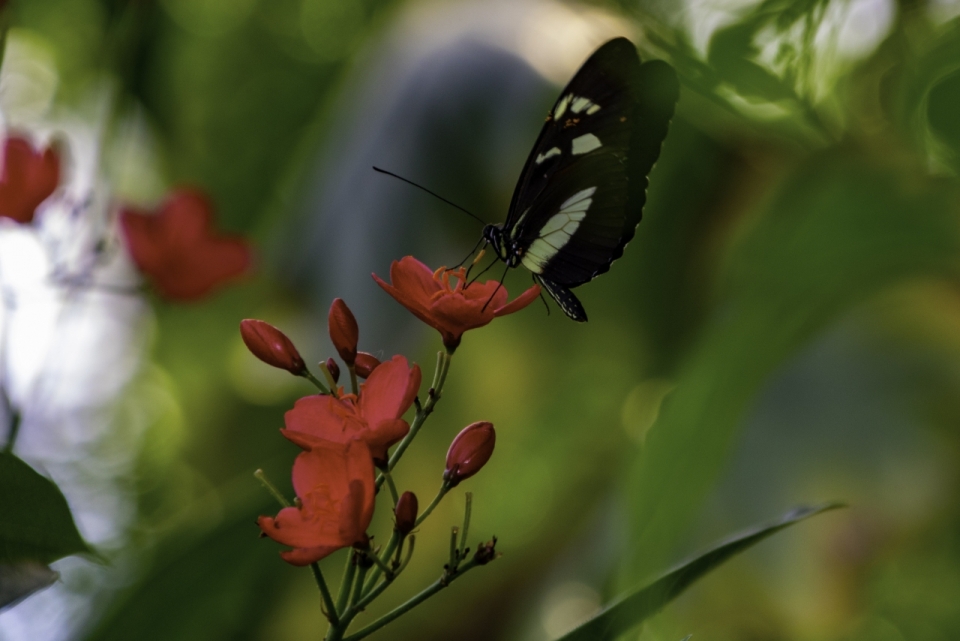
(784,329)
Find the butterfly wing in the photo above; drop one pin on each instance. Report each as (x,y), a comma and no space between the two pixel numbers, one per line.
(566,299)
(582,190)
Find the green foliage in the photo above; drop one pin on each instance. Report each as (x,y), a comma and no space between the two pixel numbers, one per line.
(35,524)
(634,608)
(209,581)
(840,230)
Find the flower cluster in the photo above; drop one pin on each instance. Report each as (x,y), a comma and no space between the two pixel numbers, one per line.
(352,437)
(174,247)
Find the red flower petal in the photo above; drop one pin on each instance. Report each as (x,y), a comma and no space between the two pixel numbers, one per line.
(519,302)
(177,250)
(28,178)
(305,556)
(385,394)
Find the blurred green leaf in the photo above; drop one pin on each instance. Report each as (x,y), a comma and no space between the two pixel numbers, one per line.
(840,230)
(634,608)
(18,580)
(203,586)
(35,520)
(731,53)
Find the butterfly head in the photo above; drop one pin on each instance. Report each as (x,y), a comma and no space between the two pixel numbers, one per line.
(493,234)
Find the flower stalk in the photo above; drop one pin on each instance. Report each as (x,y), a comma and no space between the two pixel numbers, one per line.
(316,381)
(433,396)
(329,609)
(346,441)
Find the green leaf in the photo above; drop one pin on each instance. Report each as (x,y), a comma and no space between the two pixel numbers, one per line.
(842,229)
(639,605)
(35,520)
(18,580)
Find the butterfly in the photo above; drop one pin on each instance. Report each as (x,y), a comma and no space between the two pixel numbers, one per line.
(581,193)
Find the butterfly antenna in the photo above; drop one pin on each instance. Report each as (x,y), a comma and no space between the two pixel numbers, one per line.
(499,285)
(435,195)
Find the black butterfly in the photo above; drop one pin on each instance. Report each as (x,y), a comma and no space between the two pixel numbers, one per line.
(581,193)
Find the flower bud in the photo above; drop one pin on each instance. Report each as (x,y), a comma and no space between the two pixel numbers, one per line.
(271,346)
(334,370)
(343,331)
(470,451)
(486,552)
(365,364)
(406,512)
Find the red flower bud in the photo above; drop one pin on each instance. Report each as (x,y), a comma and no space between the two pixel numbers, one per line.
(271,346)
(343,331)
(470,451)
(365,364)
(334,370)
(406,512)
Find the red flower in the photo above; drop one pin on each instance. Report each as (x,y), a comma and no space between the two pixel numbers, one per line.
(336,486)
(469,452)
(450,309)
(177,250)
(374,417)
(28,178)
(271,346)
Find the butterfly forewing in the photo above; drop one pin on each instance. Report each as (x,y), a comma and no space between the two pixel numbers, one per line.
(581,193)
(588,111)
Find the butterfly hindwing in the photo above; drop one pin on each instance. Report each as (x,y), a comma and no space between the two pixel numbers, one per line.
(569,303)
(582,190)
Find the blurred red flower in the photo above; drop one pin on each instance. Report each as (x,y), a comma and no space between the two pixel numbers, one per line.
(373,417)
(336,487)
(449,308)
(177,249)
(28,178)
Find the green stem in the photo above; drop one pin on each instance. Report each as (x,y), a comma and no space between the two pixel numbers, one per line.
(316,381)
(358,583)
(362,604)
(466,524)
(381,567)
(433,395)
(346,583)
(400,610)
(353,379)
(325,593)
(392,486)
(260,476)
(406,559)
(395,539)
(436,501)
(454,556)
